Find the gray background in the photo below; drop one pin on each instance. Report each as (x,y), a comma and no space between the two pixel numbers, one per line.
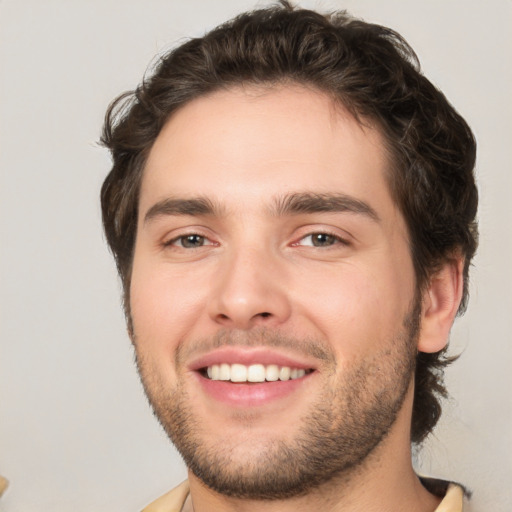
(75,431)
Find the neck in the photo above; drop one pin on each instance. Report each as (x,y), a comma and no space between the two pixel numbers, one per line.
(384,482)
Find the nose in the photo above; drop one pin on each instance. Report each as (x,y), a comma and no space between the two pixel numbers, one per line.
(249,291)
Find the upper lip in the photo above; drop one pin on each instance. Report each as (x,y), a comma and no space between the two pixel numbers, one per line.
(249,356)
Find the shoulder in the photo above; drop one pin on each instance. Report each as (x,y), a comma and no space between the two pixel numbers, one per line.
(172,501)
(452,494)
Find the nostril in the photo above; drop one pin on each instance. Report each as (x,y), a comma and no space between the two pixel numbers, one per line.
(265,315)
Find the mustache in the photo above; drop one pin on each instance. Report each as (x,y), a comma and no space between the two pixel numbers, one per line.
(260,337)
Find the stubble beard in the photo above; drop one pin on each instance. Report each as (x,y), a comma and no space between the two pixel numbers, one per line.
(334,437)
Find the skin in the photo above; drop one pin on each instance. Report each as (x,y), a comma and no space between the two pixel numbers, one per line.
(257,270)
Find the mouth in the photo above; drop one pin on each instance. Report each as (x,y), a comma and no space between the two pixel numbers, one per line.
(251,376)
(240,373)
(248,377)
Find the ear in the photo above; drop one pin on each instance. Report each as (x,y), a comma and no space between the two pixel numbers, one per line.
(440,304)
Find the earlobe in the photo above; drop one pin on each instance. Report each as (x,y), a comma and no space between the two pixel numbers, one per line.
(440,304)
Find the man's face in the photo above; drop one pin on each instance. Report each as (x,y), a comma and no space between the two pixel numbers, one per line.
(269,250)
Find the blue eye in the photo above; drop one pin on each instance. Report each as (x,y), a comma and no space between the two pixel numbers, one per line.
(321,240)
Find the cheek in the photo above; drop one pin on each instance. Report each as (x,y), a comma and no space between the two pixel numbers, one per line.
(355,307)
(165,306)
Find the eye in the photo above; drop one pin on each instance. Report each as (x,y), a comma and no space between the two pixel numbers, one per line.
(321,240)
(190,241)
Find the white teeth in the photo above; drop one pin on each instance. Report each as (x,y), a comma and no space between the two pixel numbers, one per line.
(272,372)
(256,373)
(297,373)
(224,372)
(253,373)
(238,373)
(284,373)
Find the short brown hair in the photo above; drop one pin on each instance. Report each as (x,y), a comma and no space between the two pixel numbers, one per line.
(375,74)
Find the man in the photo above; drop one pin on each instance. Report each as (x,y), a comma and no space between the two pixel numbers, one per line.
(292,212)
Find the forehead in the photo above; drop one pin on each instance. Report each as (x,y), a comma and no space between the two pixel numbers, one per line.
(252,143)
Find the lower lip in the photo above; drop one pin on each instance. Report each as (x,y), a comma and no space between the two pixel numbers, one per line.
(250,394)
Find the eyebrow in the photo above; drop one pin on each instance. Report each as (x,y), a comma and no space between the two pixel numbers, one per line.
(290,204)
(300,203)
(175,206)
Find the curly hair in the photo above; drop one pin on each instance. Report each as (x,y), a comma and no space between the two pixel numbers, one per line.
(369,69)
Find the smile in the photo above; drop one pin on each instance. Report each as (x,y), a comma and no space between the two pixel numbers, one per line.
(253,373)
(248,377)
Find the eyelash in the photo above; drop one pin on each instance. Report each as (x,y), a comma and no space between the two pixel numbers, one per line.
(185,236)
(336,239)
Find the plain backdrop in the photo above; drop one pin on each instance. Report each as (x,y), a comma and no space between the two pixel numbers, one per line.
(76,433)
